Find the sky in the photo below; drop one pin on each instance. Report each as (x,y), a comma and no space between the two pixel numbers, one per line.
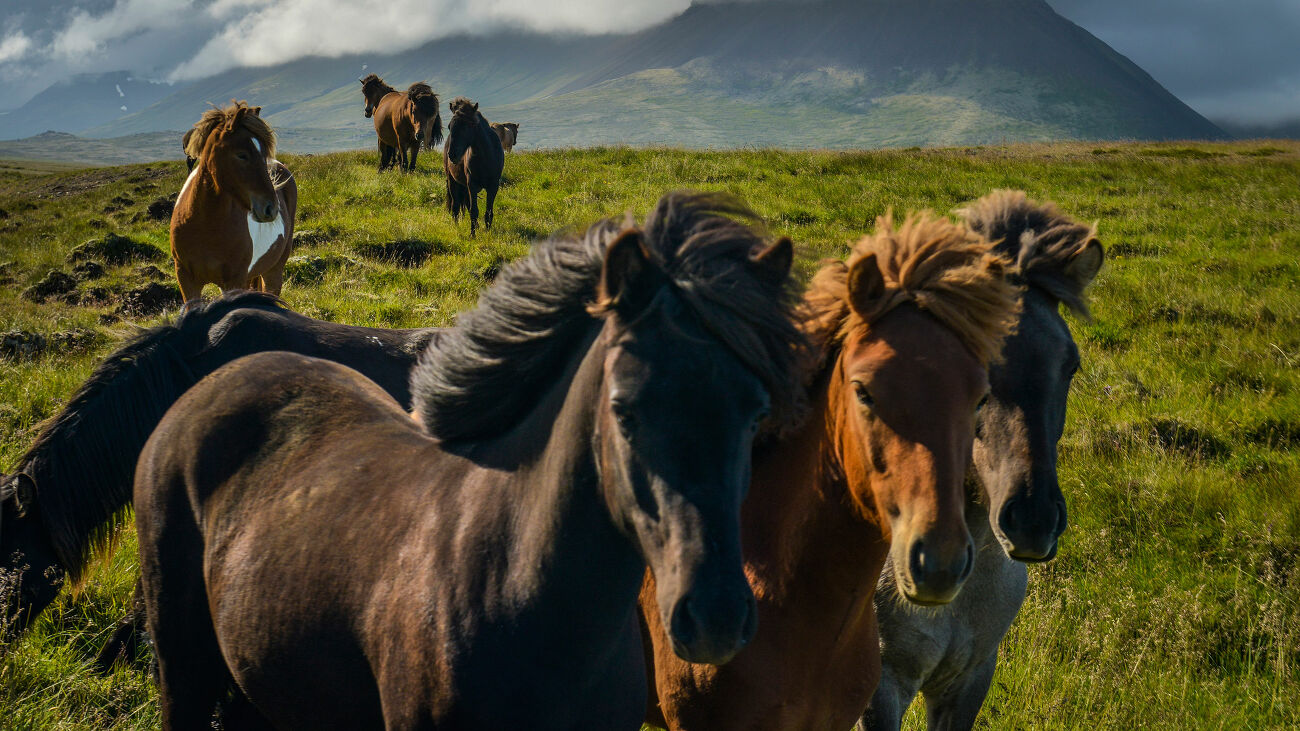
(1234,60)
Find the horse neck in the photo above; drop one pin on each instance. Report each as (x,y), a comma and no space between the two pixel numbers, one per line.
(204,199)
(570,552)
(801,523)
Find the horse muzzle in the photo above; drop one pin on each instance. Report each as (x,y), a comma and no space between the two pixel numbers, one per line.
(710,625)
(264,211)
(1029,532)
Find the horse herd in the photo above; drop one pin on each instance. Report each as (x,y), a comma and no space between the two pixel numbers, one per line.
(645,479)
(232,223)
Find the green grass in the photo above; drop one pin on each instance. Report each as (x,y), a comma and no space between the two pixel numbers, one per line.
(1175,600)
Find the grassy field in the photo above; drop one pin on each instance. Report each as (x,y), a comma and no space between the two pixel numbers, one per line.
(1175,600)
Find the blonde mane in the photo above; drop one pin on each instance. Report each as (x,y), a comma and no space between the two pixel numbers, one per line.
(214,118)
(931,263)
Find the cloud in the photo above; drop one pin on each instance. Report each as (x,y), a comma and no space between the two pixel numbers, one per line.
(284,30)
(14,47)
(88,35)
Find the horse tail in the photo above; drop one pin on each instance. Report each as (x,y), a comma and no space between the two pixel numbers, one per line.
(434,136)
(426,104)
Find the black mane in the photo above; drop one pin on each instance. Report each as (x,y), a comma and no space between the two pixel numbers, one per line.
(89,449)
(480,377)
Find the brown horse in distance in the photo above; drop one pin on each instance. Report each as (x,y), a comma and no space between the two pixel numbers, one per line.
(904,331)
(477,567)
(233,221)
(508,132)
(403,120)
(473,160)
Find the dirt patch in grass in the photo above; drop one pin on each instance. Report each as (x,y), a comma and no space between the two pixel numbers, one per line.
(405,253)
(150,299)
(55,284)
(1175,435)
(94,179)
(116,250)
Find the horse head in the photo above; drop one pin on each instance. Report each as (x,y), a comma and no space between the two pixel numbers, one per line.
(1017,433)
(674,433)
(917,312)
(236,154)
(463,129)
(31,574)
(373,89)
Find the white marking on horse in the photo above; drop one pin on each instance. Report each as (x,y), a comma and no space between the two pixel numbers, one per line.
(188,181)
(264,236)
(257,145)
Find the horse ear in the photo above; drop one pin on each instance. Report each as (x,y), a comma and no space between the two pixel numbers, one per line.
(866,284)
(1085,264)
(236,118)
(627,276)
(773,263)
(475,107)
(22,488)
(256,111)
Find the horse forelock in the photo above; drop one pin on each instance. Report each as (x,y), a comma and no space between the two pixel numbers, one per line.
(480,376)
(215,122)
(1040,239)
(928,261)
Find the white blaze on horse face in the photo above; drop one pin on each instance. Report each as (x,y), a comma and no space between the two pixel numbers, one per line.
(264,236)
(257,145)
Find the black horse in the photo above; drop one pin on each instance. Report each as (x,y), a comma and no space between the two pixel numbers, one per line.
(72,487)
(473,160)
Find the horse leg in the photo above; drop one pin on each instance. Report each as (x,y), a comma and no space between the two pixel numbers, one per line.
(890,701)
(473,211)
(192,675)
(256,284)
(191,287)
(124,644)
(489,197)
(958,706)
(383,155)
(415,153)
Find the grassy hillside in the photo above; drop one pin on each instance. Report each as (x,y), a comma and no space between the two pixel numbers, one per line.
(1175,600)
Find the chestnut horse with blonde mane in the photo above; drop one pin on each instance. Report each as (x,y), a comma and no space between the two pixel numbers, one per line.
(904,332)
(233,221)
(403,120)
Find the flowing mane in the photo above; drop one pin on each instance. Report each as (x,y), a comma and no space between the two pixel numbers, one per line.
(927,261)
(1040,239)
(483,375)
(214,118)
(117,406)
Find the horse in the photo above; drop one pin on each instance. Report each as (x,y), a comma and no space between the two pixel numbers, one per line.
(473,160)
(403,121)
(233,220)
(71,488)
(1014,509)
(301,534)
(904,331)
(508,132)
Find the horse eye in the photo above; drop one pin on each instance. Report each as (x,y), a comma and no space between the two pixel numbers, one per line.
(243,156)
(864,396)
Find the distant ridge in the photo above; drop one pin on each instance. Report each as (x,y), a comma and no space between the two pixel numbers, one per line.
(837,73)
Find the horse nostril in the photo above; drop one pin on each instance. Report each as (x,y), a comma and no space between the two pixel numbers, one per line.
(970,562)
(917,561)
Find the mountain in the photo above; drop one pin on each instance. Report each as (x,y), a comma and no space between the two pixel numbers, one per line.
(83,102)
(837,73)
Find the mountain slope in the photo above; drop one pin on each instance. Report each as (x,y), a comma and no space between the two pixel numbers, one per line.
(841,73)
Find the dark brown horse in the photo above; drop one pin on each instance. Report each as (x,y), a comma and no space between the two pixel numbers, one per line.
(71,488)
(233,221)
(403,120)
(473,160)
(1015,509)
(478,567)
(905,329)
